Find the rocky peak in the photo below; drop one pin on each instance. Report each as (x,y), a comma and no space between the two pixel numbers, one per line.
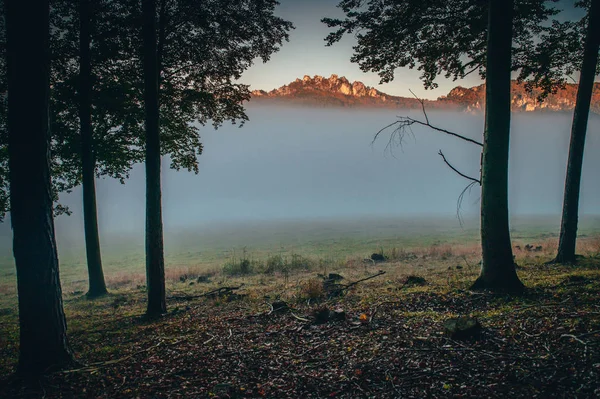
(339,91)
(332,85)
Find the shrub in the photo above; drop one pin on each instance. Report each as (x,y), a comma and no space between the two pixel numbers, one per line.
(274,264)
(312,289)
(299,262)
(241,266)
(286,265)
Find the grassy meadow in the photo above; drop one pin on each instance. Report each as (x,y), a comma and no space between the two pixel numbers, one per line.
(390,344)
(292,247)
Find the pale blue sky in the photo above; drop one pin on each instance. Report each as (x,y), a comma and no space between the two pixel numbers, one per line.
(306,54)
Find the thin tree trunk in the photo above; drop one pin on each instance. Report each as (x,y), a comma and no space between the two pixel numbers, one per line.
(498,269)
(155,265)
(90,216)
(568,228)
(43,338)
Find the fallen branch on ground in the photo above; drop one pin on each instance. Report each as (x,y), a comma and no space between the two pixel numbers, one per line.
(216,293)
(340,288)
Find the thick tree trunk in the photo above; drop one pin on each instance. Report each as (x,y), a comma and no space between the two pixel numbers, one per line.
(90,215)
(568,228)
(155,265)
(498,269)
(41,318)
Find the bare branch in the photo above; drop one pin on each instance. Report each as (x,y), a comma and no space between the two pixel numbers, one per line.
(474,180)
(460,199)
(422,105)
(404,122)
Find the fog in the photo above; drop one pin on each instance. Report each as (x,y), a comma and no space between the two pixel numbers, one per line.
(303,163)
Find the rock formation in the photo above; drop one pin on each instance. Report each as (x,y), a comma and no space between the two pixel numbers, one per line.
(337,91)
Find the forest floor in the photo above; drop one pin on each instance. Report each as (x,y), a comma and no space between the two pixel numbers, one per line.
(389,343)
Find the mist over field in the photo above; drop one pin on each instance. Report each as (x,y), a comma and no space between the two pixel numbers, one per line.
(318,164)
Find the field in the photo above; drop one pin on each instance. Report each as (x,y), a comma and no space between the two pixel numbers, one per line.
(389,343)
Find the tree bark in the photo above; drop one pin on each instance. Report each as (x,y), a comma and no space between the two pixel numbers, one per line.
(155,266)
(43,338)
(570,212)
(498,269)
(97,286)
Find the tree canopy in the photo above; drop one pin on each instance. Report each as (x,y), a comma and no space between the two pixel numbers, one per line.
(438,37)
(204,47)
(556,54)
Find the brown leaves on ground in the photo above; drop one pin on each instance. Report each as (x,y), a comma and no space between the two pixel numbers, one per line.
(543,344)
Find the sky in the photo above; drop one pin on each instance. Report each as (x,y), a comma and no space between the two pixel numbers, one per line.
(306,54)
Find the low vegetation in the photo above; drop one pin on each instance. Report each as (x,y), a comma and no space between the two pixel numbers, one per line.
(280,334)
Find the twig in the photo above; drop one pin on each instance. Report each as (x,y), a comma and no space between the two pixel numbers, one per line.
(364,279)
(216,292)
(575,338)
(312,349)
(343,287)
(212,337)
(405,122)
(460,199)
(299,318)
(422,105)
(440,153)
(96,366)
(540,305)
(589,333)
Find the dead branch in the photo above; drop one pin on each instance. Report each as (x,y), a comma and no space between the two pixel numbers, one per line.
(540,305)
(91,367)
(460,199)
(299,318)
(440,153)
(404,124)
(422,105)
(574,338)
(219,292)
(344,287)
(210,339)
(381,272)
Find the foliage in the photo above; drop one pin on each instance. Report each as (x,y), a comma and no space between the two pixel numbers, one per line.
(116,115)
(555,56)
(204,48)
(245,265)
(436,36)
(241,266)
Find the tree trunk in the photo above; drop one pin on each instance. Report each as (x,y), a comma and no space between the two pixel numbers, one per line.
(43,338)
(498,269)
(155,265)
(568,228)
(90,215)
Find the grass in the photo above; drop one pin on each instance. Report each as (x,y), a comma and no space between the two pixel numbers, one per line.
(323,245)
(111,328)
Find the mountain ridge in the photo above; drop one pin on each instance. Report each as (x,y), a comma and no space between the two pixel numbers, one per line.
(338,91)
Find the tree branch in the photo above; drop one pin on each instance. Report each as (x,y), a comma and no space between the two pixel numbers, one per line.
(404,122)
(440,153)
(422,105)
